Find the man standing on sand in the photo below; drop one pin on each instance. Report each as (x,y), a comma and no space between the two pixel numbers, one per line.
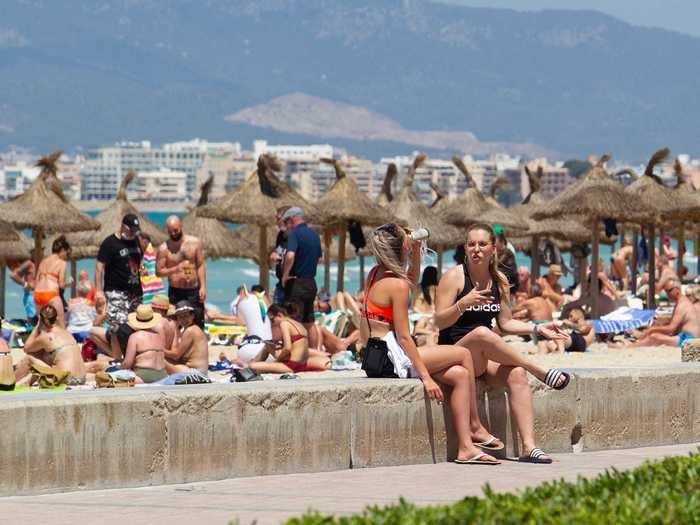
(117,276)
(299,271)
(190,350)
(181,260)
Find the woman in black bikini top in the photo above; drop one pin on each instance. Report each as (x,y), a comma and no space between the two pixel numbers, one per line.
(469,298)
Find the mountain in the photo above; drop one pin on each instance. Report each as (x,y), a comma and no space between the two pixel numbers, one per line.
(85,72)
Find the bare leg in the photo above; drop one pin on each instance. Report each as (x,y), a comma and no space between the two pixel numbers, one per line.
(486,346)
(314,337)
(99,337)
(440,357)
(657,339)
(171,368)
(519,397)
(60,315)
(331,342)
(316,361)
(271,367)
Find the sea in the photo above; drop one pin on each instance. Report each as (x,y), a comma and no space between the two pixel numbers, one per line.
(224,276)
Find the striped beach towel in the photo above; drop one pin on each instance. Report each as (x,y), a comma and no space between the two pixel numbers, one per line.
(623,319)
(152,284)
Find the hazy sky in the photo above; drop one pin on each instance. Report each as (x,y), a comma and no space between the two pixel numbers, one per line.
(677,15)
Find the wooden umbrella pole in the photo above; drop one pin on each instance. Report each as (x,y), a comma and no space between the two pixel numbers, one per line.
(362,272)
(582,269)
(38,234)
(74,275)
(594,271)
(681,249)
(661,240)
(651,292)
(534,260)
(696,252)
(262,256)
(635,262)
(439,264)
(327,236)
(341,258)
(3,271)
(622,237)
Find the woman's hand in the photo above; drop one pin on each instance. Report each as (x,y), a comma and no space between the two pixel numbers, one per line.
(474,297)
(550,331)
(433,389)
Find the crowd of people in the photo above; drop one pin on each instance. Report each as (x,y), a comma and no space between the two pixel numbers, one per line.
(124,328)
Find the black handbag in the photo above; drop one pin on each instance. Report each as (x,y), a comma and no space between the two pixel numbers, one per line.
(245,375)
(375,356)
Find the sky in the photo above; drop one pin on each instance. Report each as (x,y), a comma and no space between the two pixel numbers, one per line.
(676,15)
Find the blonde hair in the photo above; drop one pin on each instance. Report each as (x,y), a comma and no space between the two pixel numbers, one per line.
(496,275)
(386,243)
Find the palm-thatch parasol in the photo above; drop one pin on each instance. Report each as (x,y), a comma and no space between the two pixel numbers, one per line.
(408,208)
(217,239)
(472,207)
(44,208)
(660,202)
(385,196)
(246,239)
(255,202)
(595,197)
(344,203)
(13,246)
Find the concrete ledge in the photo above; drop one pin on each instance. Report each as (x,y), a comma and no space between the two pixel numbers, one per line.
(134,437)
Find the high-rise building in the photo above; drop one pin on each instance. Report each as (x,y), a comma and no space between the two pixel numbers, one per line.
(159,186)
(105,167)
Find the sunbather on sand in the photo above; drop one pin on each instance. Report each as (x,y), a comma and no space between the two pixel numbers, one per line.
(684,322)
(291,353)
(51,345)
(190,350)
(620,262)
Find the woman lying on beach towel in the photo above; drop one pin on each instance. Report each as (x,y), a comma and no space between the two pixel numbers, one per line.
(469,297)
(291,352)
(386,322)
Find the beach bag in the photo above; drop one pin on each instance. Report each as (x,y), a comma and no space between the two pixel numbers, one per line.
(375,359)
(245,375)
(7,374)
(48,376)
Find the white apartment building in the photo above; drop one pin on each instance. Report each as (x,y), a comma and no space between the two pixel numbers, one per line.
(290,152)
(16,178)
(159,186)
(105,167)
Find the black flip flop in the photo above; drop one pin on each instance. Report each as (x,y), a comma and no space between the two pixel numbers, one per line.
(536,455)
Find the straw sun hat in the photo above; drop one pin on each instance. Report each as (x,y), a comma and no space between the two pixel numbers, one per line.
(143,318)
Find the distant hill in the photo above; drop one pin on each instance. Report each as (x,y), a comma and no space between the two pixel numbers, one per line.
(84,72)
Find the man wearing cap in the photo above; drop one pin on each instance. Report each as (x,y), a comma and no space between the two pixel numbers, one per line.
(181,260)
(190,350)
(117,275)
(299,271)
(145,351)
(551,289)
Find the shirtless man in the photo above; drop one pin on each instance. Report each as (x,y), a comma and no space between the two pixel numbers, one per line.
(51,345)
(551,289)
(145,350)
(191,349)
(536,308)
(621,261)
(684,322)
(24,275)
(181,260)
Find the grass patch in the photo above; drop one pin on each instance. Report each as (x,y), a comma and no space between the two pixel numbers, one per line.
(663,492)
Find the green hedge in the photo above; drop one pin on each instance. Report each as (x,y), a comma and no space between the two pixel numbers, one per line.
(667,491)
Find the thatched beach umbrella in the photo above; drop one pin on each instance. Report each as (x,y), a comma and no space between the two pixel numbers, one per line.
(13,246)
(472,207)
(44,208)
(344,203)
(408,208)
(256,202)
(385,196)
(660,202)
(245,242)
(217,239)
(596,197)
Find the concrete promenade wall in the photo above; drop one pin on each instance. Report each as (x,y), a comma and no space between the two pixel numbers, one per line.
(131,437)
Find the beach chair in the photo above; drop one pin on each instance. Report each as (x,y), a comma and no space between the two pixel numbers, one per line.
(623,320)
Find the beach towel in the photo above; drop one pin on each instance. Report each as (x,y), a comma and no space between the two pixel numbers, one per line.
(623,319)
(152,284)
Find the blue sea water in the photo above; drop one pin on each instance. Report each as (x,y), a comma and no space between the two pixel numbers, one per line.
(225,275)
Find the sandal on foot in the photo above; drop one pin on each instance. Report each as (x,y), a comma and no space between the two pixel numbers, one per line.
(492,443)
(536,455)
(477,460)
(551,379)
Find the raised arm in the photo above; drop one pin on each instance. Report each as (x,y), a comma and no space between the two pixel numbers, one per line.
(162,269)
(36,342)
(181,343)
